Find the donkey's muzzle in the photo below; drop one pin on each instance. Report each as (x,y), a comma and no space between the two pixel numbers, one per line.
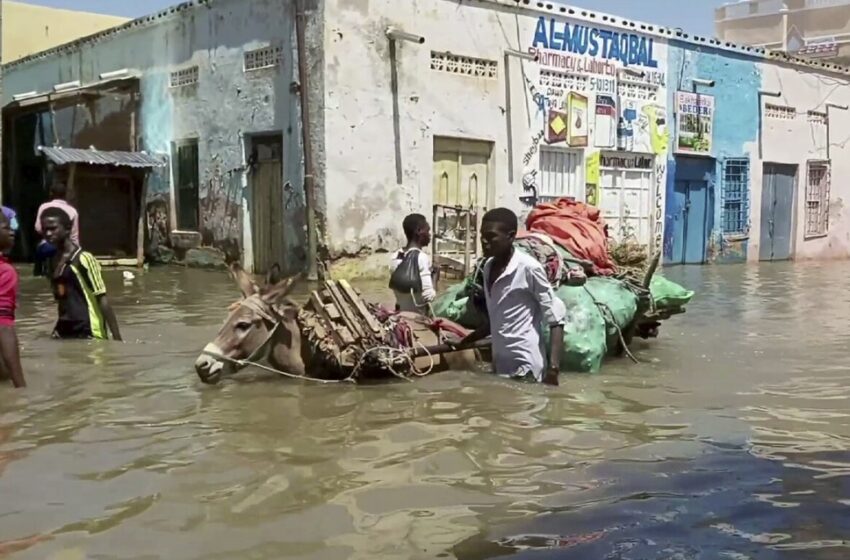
(209,369)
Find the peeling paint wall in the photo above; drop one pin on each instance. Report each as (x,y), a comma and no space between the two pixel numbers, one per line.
(366,201)
(224,108)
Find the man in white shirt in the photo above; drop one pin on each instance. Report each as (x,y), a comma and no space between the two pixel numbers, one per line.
(519,300)
(416,293)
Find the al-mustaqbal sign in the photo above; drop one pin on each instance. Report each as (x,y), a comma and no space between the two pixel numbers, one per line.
(628,48)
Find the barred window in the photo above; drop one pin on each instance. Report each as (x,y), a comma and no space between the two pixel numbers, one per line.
(185,77)
(735,194)
(817,198)
(780,112)
(266,57)
(463,65)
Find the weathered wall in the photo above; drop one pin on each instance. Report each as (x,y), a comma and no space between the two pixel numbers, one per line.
(798,140)
(735,128)
(365,202)
(221,110)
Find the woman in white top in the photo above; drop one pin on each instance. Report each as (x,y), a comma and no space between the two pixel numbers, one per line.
(413,281)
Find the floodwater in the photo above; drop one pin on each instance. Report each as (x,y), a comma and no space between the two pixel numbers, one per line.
(730,440)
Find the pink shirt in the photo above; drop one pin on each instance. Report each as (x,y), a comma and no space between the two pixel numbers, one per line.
(8,292)
(70,210)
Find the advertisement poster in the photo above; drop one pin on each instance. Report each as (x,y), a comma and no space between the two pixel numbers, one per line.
(695,115)
(577,125)
(556,127)
(605,126)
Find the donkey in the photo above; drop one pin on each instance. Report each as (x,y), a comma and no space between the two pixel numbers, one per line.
(263,326)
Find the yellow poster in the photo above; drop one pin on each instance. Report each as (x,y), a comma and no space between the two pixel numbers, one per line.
(591,174)
(578,125)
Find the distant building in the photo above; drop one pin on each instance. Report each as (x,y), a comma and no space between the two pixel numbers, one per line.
(818,29)
(28,28)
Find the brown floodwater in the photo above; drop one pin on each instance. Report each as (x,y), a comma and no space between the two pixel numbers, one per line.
(731,439)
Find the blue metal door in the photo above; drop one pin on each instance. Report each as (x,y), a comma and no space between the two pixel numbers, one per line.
(777,212)
(690,223)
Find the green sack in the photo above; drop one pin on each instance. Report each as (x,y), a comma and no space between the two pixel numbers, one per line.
(668,294)
(617,304)
(584,344)
(447,305)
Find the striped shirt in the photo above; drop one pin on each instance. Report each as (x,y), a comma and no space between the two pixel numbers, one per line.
(77,285)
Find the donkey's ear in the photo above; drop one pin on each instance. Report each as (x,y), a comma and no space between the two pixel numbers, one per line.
(273,277)
(274,293)
(243,280)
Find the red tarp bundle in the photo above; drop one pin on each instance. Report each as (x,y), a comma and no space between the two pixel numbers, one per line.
(576,227)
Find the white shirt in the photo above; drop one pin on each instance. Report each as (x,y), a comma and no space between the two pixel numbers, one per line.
(521,300)
(415,303)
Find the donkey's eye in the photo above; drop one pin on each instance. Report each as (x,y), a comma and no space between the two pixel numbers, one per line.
(243,325)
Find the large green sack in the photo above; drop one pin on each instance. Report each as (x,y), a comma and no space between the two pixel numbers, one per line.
(451,303)
(584,344)
(617,304)
(668,294)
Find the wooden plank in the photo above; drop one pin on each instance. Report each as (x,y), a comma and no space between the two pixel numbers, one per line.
(353,298)
(350,320)
(320,310)
(333,312)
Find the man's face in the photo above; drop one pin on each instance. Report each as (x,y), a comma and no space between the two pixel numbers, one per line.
(54,231)
(496,240)
(424,235)
(7,235)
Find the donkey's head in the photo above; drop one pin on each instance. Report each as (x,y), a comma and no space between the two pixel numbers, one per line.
(260,325)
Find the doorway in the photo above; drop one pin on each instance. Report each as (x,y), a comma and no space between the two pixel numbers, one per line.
(266,186)
(779,187)
(691,210)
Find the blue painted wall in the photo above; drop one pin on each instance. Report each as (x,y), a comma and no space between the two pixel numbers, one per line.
(737,82)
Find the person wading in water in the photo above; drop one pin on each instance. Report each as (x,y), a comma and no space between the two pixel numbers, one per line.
(10,354)
(45,250)
(84,310)
(413,280)
(520,300)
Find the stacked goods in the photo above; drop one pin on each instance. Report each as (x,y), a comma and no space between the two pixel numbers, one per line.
(604,312)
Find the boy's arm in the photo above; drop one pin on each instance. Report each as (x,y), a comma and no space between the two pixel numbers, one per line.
(554,315)
(11,354)
(108,314)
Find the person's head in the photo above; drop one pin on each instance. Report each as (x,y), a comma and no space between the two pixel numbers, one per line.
(417,230)
(56,225)
(498,231)
(7,233)
(58,191)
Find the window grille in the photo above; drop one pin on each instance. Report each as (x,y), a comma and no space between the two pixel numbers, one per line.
(817,117)
(185,77)
(560,174)
(736,196)
(463,65)
(634,90)
(780,112)
(817,198)
(266,57)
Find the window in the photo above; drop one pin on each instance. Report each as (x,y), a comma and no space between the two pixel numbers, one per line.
(817,117)
(266,57)
(779,112)
(187,185)
(736,196)
(560,174)
(817,198)
(464,65)
(185,77)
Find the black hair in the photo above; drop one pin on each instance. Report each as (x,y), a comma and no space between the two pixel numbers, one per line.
(58,190)
(504,217)
(412,224)
(62,216)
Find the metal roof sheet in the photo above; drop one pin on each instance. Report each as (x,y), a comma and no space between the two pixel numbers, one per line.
(64,156)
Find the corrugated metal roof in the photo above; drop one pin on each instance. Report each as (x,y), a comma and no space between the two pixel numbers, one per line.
(64,156)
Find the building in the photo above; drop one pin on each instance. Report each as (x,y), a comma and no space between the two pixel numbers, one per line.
(702,150)
(815,29)
(28,28)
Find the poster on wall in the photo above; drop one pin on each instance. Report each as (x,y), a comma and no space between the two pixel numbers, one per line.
(556,127)
(605,124)
(695,115)
(578,125)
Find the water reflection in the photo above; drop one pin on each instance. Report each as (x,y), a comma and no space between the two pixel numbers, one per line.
(729,440)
